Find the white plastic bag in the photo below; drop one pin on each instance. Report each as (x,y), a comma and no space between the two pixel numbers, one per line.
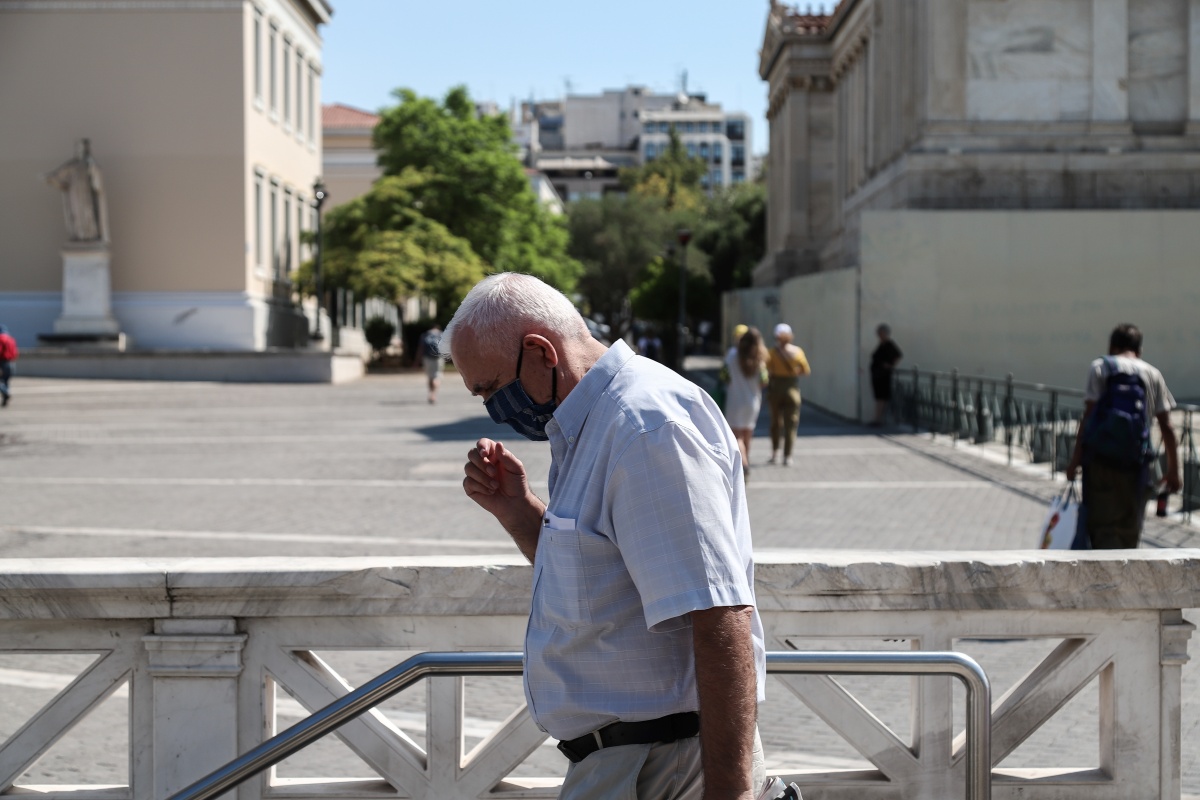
(1058,531)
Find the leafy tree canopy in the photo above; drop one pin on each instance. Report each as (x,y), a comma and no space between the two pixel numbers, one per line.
(733,232)
(382,245)
(479,191)
(674,177)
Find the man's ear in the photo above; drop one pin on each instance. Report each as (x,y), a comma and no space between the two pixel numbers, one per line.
(545,349)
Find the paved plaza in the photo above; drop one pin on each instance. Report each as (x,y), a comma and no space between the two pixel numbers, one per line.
(142,469)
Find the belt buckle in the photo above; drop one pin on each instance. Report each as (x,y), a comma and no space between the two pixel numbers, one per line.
(565,749)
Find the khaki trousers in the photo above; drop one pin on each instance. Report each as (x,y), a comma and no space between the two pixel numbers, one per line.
(664,771)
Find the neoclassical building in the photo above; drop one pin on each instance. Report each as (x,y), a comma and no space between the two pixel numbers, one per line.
(1002,181)
(204,117)
(973,104)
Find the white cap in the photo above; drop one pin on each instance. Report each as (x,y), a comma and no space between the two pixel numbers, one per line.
(783,329)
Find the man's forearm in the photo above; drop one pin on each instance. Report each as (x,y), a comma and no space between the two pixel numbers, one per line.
(524,525)
(727,683)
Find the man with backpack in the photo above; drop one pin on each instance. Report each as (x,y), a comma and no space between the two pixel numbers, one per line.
(1113,443)
(8,354)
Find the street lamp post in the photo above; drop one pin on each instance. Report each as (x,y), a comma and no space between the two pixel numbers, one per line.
(683,236)
(319,195)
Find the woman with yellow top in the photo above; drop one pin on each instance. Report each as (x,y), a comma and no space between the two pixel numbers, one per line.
(785,366)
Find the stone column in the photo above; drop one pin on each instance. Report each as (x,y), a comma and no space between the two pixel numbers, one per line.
(194,665)
(1175,632)
(1110,65)
(946,38)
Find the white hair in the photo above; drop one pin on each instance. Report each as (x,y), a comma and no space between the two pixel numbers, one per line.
(503,307)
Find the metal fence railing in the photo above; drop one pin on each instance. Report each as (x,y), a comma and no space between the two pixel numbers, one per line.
(395,680)
(1031,421)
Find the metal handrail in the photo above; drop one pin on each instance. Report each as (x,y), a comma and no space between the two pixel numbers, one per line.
(408,672)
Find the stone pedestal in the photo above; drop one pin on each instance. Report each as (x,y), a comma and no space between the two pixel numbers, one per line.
(87,319)
(194,665)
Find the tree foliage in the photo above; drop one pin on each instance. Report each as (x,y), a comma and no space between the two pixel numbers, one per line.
(453,205)
(616,238)
(674,177)
(381,245)
(733,232)
(479,190)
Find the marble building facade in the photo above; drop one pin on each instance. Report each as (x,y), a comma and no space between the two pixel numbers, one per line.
(970,105)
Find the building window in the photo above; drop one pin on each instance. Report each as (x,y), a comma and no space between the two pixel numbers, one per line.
(664,127)
(691,149)
(301,204)
(299,95)
(735,129)
(258,67)
(718,151)
(739,177)
(716,177)
(258,219)
(287,233)
(272,91)
(287,83)
(689,127)
(273,228)
(312,102)
(651,151)
(704,150)
(649,127)
(738,152)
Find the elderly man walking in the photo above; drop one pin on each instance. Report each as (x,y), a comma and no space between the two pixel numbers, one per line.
(644,653)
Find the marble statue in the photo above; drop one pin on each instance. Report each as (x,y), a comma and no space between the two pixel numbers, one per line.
(83,196)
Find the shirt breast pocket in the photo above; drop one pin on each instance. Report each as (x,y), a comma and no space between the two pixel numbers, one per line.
(576,570)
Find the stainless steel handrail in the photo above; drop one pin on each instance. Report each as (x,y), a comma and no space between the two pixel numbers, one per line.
(408,672)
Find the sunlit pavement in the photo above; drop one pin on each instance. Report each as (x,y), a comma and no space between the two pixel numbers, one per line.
(98,468)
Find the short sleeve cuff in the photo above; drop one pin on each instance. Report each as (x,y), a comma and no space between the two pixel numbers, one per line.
(669,613)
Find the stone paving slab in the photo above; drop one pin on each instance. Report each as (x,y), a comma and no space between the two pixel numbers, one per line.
(109,468)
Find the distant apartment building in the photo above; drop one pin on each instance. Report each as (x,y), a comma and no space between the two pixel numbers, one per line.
(581,143)
(203,118)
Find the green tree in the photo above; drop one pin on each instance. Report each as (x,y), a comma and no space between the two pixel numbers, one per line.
(478,189)
(382,245)
(733,233)
(674,177)
(616,238)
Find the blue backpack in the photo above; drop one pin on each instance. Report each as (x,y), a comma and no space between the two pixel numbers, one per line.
(1117,432)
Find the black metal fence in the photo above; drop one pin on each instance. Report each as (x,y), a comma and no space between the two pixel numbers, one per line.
(1032,422)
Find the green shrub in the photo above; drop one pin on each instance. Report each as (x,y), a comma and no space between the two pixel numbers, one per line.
(379,333)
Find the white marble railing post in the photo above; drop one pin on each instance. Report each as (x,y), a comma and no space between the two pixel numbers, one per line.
(1175,634)
(194,665)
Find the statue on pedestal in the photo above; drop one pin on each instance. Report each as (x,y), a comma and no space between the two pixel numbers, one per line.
(83,196)
(87,319)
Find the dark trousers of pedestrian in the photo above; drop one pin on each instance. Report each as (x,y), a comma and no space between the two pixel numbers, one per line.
(783,400)
(6,371)
(1114,506)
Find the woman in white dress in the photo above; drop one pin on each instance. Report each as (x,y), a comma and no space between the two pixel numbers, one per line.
(745,367)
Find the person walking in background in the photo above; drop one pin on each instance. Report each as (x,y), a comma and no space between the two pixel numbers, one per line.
(8,354)
(644,652)
(883,363)
(746,368)
(786,364)
(432,356)
(1112,445)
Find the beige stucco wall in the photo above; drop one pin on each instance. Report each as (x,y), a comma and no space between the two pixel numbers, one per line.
(821,308)
(158,95)
(1033,293)
(274,145)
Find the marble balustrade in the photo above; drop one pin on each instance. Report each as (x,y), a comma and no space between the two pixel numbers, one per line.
(201,644)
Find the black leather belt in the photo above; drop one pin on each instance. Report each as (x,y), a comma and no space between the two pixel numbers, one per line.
(664,729)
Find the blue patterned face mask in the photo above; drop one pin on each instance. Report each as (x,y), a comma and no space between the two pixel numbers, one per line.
(510,403)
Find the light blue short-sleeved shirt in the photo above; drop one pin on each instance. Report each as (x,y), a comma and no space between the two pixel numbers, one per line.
(647,522)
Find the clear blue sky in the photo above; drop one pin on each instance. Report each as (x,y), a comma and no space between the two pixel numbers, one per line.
(504,50)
